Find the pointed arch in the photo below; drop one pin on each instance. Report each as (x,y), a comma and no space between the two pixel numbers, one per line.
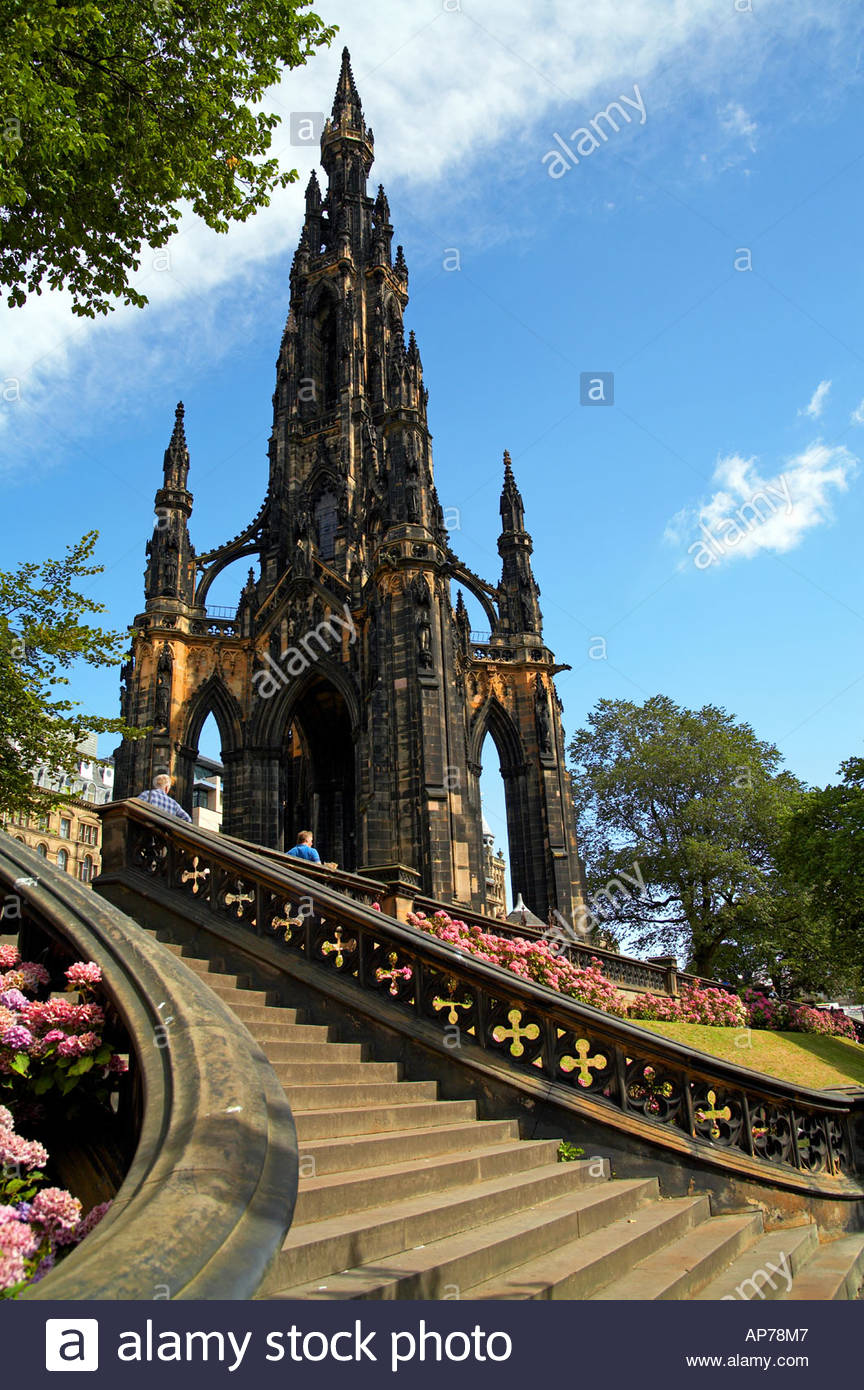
(493,719)
(214,697)
(272,717)
(324,343)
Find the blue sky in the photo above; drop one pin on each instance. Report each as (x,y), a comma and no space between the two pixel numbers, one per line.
(750,151)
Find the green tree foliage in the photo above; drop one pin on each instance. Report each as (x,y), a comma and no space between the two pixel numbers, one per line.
(822,851)
(113,114)
(697,801)
(43,632)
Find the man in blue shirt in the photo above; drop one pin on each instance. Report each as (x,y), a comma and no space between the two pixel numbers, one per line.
(303,848)
(159,797)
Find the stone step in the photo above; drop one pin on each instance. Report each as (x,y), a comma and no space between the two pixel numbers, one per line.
(334,1098)
(461,1260)
(315,1251)
(335,1194)
(234,994)
(767,1269)
(267,1031)
(339,1074)
(343,1155)
(686,1265)
(833,1271)
(577,1268)
(206,970)
(340,1057)
(264,1013)
(380,1119)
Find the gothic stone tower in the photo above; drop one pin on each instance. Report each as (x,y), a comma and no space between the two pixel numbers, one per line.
(350,695)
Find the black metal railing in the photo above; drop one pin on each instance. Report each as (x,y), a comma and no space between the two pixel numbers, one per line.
(608,1066)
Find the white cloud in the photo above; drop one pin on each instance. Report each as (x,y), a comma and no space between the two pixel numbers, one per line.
(735,122)
(455,97)
(816,404)
(857,416)
(749,512)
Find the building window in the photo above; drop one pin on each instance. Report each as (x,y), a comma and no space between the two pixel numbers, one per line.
(85,869)
(42,850)
(326,520)
(65,827)
(43,822)
(62,860)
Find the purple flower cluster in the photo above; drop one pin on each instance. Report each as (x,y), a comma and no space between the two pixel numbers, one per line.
(529,958)
(33,1232)
(46,1037)
(694,1004)
(764,1012)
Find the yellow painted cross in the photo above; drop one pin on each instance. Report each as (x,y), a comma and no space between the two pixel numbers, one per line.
(582,1062)
(514,1018)
(713,1114)
(452,1004)
(338,946)
(194,874)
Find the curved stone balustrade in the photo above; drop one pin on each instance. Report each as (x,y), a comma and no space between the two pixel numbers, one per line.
(210,1192)
(609,1070)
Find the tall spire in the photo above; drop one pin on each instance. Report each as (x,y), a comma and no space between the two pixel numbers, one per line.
(176,462)
(512,507)
(346,144)
(519,607)
(170,573)
(347,109)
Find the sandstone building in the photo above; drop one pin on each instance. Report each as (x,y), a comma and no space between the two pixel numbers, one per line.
(350,694)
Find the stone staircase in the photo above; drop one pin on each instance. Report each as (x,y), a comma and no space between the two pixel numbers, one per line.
(405,1196)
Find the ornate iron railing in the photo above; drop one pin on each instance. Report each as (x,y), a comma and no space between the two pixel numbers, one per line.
(610,1069)
(210,1191)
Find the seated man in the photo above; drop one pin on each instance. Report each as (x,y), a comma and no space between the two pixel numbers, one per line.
(159,797)
(303,848)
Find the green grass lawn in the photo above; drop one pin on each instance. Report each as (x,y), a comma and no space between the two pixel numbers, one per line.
(806,1058)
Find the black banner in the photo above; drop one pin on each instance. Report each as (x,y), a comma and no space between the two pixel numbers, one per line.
(416,1344)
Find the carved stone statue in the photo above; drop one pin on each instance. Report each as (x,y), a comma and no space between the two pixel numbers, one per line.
(162,706)
(543,719)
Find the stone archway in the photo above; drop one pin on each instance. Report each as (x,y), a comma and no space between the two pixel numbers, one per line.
(212,699)
(318,790)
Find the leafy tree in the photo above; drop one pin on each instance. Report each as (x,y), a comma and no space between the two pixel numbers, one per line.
(696,801)
(114,114)
(43,627)
(822,852)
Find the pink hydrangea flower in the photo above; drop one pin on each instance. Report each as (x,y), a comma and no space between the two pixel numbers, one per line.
(9,957)
(83,974)
(17,1237)
(57,1212)
(17,1038)
(13,999)
(11,1270)
(33,975)
(15,1150)
(91,1220)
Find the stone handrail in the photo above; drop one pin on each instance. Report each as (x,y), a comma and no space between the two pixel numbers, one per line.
(627,972)
(611,1070)
(210,1191)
